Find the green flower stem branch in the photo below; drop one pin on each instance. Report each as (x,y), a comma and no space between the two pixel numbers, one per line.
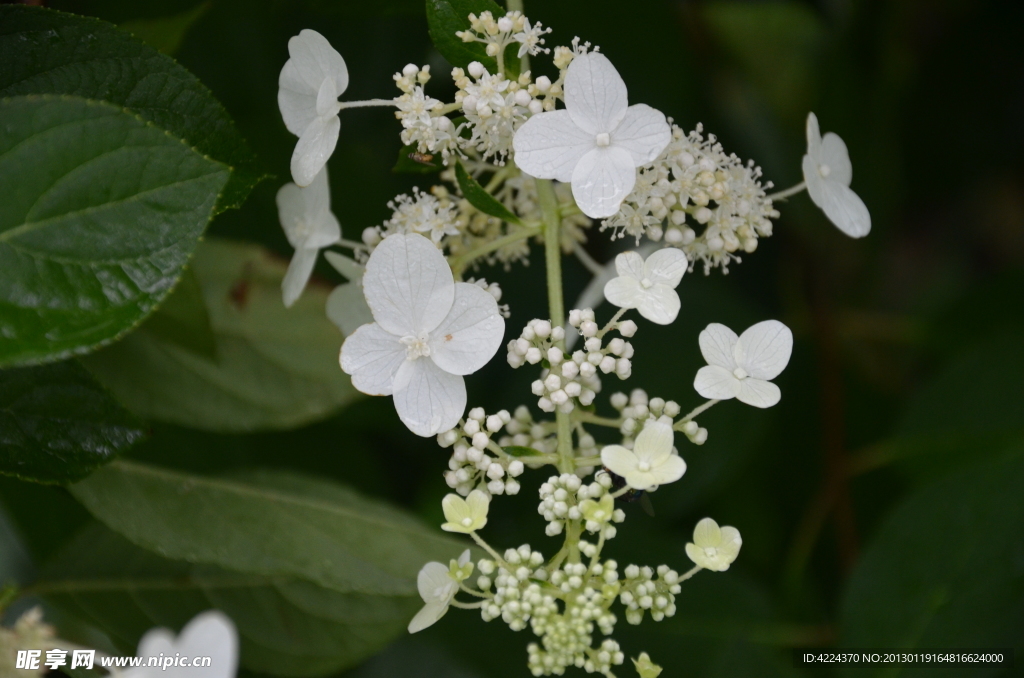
(461,262)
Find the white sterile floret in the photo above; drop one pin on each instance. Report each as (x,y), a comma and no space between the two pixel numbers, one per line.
(209,634)
(597,142)
(713,547)
(437,589)
(648,286)
(828,172)
(346,305)
(651,461)
(309,224)
(465,515)
(741,367)
(308,90)
(428,332)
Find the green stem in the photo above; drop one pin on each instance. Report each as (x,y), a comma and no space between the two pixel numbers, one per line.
(494,554)
(611,323)
(793,190)
(460,262)
(697,410)
(588,418)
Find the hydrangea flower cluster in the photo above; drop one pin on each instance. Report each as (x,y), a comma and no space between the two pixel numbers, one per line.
(534,160)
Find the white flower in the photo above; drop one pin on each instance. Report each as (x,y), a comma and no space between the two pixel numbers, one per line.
(209,634)
(422,213)
(651,461)
(437,589)
(828,172)
(465,515)
(530,39)
(648,286)
(308,90)
(740,367)
(713,547)
(346,305)
(429,331)
(309,224)
(597,142)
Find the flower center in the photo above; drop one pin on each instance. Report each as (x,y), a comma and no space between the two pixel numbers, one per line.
(646,283)
(824,170)
(466,522)
(710,551)
(740,373)
(416,346)
(643,466)
(603,139)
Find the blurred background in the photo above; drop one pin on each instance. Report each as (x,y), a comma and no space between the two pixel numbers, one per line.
(881,503)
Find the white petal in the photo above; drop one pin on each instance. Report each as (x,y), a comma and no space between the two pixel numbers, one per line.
(464,558)
(595,94)
(298,108)
(428,399)
(291,212)
(843,207)
(654,443)
(630,264)
(434,584)
(602,179)
(666,266)
(408,285)
(346,307)
(813,135)
(660,304)
(624,292)
(707,533)
(758,392)
(327,99)
(716,383)
(299,271)
(834,154)
(470,334)
(314,59)
(716,345)
(305,213)
(549,145)
(210,634)
(763,350)
(372,357)
(316,144)
(670,470)
(345,266)
(155,642)
(429,615)
(618,460)
(643,132)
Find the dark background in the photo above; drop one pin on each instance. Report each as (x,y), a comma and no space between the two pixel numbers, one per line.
(880,501)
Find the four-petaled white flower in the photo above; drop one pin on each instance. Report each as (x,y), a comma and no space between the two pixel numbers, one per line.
(209,634)
(597,142)
(308,90)
(437,589)
(713,547)
(648,286)
(465,515)
(740,367)
(428,332)
(652,460)
(309,224)
(346,305)
(827,173)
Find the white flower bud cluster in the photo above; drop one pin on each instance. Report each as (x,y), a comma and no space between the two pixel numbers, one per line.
(597,519)
(470,466)
(517,597)
(637,408)
(29,632)
(499,33)
(525,432)
(641,592)
(430,214)
(494,106)
(422,117)
(562,498)
(694,185)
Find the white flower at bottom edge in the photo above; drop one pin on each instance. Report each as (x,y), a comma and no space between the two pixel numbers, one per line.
(740,367)
(346,306)
(713,547)
(209,634)
(310,83)
(428,332)
(648,286)
(597,141)
(651,461)
(437,589)
(309,224)
(828,173)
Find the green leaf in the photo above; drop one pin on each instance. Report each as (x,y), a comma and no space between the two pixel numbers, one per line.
(275,367)
(287,626)
(57,424)
(446,17)
(182,319)
(411,161)
(945,568)
(166,33)
(100,213)
(48,52)
(267,523)
(517,451)
(479,198)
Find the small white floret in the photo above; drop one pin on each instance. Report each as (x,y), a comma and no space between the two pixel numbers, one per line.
(713,547)
(309,224)
(648,286)
(651,462)
(828,173)
(742,367)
